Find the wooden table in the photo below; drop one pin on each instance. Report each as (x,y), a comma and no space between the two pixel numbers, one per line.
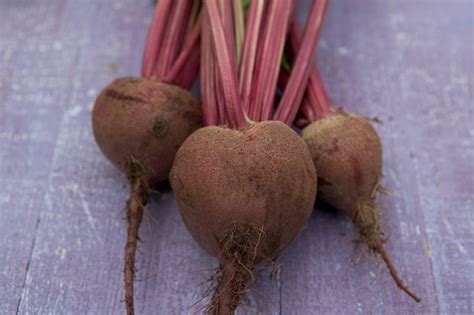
(410,63)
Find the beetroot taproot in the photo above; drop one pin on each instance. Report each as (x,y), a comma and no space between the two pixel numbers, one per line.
(243,195)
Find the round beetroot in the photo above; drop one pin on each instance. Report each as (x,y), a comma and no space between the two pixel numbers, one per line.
(144,118)
(347,153)
(243,195)
(139,124)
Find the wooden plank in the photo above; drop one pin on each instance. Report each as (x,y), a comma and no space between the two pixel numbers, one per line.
(19,206)
(30,95)
(444,150)
(398,60)
(70,237)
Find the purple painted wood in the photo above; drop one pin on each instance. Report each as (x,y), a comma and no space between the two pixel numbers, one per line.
(61,221)
(409,63)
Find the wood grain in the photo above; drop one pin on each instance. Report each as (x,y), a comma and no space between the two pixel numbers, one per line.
(62,225)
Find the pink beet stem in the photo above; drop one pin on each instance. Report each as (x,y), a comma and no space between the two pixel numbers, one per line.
(239,28)
(228,76)
(188,76)
(269,55)
(228,23)
(191,42)
(194,16)
(155,36)
(225,9)
(316,94)
(169,48)
(209,106)
(249,51)
(306,109)
(294,91)
(221,106)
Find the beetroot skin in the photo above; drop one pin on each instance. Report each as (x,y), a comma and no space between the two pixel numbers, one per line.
(139,125)
(347,153)
(243,195)
(144,118)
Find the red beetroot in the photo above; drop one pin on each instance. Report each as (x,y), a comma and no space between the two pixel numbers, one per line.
(139,123)
(347,154)
(245,190)
(243,195)
(146,119)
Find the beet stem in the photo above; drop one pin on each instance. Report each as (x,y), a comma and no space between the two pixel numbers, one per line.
(300,74)
(227,69)
(210,111)
(170,44)
(191,43)
(155,35)
(377,245)
(316,93)
(195,15)
(188,75)
(269,55)
(249,51)
(135,205)
(227,16)
(239,26)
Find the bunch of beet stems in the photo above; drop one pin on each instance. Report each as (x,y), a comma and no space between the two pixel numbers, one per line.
(170,53)
(172,56)
(316,105)
(240,66)
(239,78)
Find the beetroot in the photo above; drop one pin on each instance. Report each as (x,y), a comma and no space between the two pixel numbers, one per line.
(146,119)
(247,188)
(139,124)
(243,195)
(347,154)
